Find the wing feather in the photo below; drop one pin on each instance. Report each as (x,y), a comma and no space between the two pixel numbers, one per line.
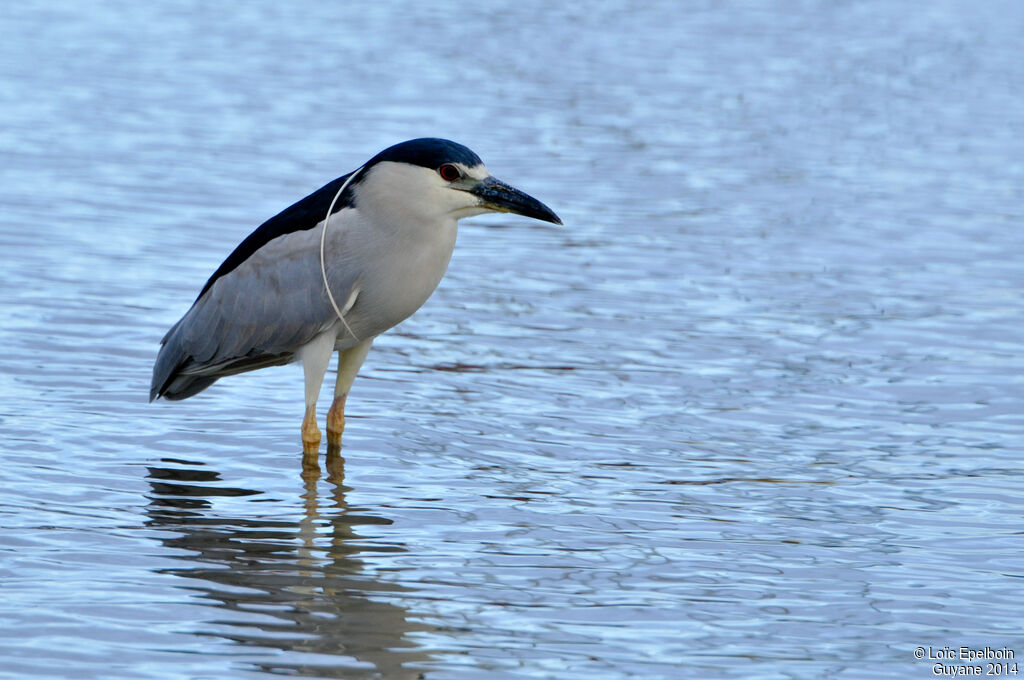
(258,314)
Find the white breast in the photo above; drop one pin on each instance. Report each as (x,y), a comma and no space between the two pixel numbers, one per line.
(399,268)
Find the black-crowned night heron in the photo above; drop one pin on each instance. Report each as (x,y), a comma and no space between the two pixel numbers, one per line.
(333,272)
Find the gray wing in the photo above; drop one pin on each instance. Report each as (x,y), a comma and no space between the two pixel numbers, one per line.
(258,315)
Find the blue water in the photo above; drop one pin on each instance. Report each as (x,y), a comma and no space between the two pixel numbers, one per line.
(756,411)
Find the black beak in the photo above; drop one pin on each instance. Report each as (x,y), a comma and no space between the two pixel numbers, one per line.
(500,197)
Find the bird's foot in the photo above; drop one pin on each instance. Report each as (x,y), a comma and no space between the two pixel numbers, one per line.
(335,465)
(336,422)
(310,433)
(310,466)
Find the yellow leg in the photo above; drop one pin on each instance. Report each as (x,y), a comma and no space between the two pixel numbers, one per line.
(310,466)
(336,421)
(335,465)
(349,362)
(310,432)
(315,356)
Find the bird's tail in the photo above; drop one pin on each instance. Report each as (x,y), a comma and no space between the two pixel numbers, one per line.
(169,381)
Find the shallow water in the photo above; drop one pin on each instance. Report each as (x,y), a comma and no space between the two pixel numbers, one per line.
(757,410)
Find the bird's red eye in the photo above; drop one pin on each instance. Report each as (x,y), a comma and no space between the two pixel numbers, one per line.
(449,172)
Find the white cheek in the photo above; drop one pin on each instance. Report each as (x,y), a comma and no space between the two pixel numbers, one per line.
(457,201)
(404,196)
(469,211)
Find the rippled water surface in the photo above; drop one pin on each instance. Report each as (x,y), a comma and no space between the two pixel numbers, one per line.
(756,411)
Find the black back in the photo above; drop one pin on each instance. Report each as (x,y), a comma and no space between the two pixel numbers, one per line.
(427,152)
(299,216)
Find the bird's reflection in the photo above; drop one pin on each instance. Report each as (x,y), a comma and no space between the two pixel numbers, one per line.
(294,585)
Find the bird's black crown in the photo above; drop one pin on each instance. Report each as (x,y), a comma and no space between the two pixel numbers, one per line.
(427,152)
